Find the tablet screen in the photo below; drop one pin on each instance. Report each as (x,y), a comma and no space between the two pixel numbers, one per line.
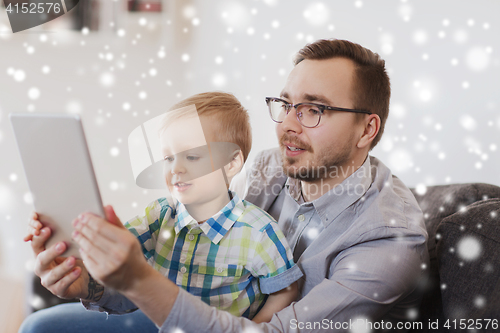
(59,171)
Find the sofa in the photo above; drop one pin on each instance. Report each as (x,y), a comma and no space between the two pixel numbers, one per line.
(463,223)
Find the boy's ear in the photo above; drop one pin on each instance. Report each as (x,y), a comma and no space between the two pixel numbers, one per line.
(233,167)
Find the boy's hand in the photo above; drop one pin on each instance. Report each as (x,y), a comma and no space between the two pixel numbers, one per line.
(64,277)
(111,253)
(34,227)
(277,302)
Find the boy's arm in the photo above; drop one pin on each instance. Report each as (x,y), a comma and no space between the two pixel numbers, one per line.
(277,302)
(273,265)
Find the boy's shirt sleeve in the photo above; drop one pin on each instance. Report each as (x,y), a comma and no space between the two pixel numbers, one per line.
(147,227)
(273,261)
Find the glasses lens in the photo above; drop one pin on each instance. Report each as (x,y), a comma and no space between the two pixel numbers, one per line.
(309,115)
(278,110)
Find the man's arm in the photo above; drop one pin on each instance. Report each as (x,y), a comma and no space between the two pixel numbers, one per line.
(365,283)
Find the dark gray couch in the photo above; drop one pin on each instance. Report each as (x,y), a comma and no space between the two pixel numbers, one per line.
(463,222)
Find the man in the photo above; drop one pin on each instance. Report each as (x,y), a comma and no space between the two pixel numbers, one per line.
(356,231)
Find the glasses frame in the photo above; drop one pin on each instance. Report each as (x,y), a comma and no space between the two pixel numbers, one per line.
(321,107)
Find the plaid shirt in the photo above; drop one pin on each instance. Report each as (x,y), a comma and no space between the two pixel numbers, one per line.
(230,261)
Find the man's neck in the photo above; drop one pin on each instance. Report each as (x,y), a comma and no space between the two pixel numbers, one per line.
(314,190)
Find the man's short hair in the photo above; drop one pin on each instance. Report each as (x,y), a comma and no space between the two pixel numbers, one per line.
(231,118)
(372,88)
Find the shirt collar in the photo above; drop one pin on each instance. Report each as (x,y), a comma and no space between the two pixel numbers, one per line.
(335,201)
(218,225)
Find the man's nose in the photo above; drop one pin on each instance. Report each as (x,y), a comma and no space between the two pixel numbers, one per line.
(291,123)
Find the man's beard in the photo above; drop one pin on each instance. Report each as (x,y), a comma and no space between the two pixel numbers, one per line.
(324,165)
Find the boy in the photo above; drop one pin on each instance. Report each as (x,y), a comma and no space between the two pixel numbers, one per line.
(211,243)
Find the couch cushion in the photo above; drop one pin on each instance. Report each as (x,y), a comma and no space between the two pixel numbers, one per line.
(469,262)
(437,203)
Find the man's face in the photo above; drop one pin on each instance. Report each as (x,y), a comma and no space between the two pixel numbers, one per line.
(310,153)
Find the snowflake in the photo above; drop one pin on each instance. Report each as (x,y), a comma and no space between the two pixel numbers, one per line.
(177,330)
(19,75)
(421,189)
(166,234)
(114,151)
(312,233)
(251,330)
(412,314)
(469,248)
(28,198)
(316,14)
(359,325)
(468,122)
(420,37)
(34,93)
(107,79)
(37,302)
(477,59)
(479,302)
(460,36)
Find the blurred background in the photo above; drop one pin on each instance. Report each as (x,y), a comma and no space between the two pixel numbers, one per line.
(120,63)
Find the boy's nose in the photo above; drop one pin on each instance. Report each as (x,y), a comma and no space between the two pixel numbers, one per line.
(177,170)
(177,167)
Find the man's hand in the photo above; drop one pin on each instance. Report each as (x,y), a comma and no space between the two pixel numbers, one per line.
(64,277)
(110,252)
(114,257)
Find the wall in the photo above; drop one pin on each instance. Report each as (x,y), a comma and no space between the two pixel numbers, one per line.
(442,56)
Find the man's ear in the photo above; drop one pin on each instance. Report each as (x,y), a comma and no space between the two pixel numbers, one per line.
(233,167)
(370,131)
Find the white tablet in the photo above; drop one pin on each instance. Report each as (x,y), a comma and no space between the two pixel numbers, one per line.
(59,171)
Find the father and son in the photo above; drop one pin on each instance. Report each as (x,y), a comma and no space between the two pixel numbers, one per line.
(347,244)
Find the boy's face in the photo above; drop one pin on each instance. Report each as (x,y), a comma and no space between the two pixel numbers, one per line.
(187,164)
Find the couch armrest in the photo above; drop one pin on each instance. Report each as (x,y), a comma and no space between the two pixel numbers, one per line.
(468,254)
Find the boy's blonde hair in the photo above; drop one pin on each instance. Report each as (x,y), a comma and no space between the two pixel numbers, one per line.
(232,120)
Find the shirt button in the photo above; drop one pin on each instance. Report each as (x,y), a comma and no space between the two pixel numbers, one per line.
(220,270)
(191,237)
(183,269)
(301,217)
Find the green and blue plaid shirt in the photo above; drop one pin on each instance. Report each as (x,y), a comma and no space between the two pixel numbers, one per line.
(230,261)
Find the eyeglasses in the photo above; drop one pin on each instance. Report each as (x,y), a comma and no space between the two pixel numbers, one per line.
(308,114)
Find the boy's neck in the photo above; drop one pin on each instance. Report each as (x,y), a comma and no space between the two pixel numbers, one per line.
(203,211)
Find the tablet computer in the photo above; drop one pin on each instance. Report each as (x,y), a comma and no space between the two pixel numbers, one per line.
(59,171)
